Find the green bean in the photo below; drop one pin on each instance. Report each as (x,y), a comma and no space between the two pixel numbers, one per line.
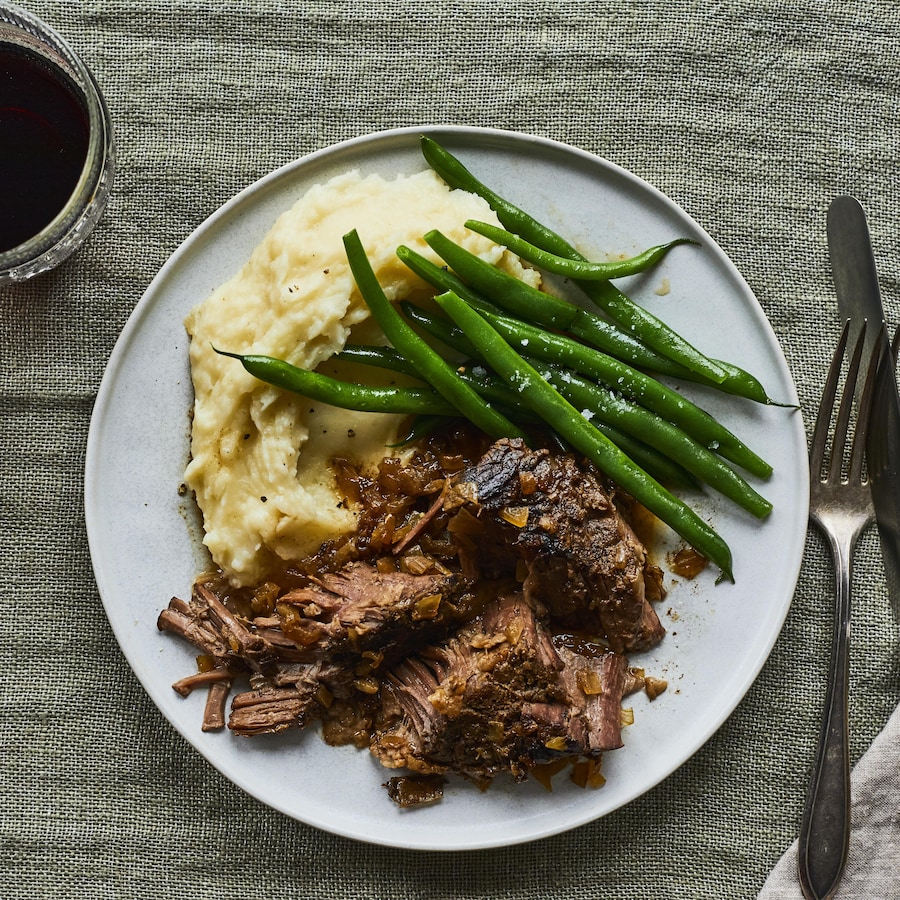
(620,377)
(429,363)
(378,357)
(575,269)
(607,408)
(668,438)
(451,170)
(651,330)
(656,464)
(496,391)
(324,389)
(530,304)
(492,389)
(428,406)
(619,307)
(737,381)
(646,391)
(655,333)
(419,427)
(560,415)
(586,326)
(441,277)
(500,287)
(536,344)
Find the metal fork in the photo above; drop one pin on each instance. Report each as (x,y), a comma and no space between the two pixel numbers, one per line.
(841,506)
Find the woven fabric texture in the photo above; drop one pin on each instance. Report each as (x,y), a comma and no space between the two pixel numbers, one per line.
(750,115)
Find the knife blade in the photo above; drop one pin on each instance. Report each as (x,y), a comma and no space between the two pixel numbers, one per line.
(859,297)
(853,268)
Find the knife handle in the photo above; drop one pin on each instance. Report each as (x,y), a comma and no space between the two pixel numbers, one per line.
(825,828)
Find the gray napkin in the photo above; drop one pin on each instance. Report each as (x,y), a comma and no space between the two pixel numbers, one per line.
(873,865)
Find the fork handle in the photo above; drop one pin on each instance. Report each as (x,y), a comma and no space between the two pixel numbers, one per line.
(825,828)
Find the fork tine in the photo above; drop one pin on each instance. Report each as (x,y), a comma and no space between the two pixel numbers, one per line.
(858,452)
(826,405)
(842,425)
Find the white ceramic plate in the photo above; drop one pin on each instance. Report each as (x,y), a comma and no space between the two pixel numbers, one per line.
(145,538)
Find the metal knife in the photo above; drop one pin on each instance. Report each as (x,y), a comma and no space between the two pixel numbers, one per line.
(856,283)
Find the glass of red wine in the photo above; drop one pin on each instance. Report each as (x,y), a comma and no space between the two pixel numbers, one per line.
(57,157)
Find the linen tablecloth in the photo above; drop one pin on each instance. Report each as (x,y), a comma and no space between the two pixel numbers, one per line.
(750,115)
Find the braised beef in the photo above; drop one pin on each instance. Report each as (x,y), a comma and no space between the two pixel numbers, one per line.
(293,696)
(325,641)
(583,560)
(498,697)
(474,625)
(360,609)
(215,630)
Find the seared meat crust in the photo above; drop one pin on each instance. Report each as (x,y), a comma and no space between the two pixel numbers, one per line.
(584,561)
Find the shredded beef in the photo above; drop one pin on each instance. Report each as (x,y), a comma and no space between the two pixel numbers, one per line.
(498,697)
(475,624)
(360,609)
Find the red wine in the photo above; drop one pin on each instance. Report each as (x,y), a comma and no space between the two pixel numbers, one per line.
(43,142)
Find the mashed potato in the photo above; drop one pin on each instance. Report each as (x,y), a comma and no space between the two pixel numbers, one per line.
(260,458)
